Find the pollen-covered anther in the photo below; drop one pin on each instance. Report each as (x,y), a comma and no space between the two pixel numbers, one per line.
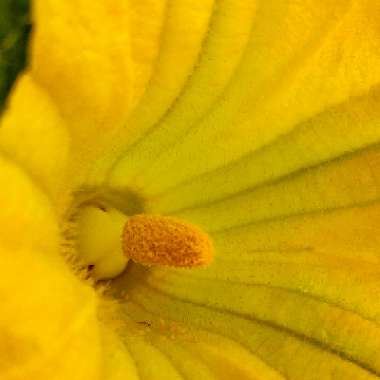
(165,240)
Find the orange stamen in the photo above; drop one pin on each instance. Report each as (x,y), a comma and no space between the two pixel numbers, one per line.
(164,240)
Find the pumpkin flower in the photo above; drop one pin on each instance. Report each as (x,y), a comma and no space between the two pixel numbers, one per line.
(190,190)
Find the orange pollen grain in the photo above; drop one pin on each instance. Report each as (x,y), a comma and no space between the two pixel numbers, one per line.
(165,240)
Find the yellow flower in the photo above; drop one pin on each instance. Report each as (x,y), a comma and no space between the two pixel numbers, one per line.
(256,121)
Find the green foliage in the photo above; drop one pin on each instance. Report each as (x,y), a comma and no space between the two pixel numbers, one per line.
(15,29)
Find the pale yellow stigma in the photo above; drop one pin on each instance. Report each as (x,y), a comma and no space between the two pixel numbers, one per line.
(165,240)
(98,232)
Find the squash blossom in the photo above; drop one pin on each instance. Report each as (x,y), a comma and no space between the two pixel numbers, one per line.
(190,189)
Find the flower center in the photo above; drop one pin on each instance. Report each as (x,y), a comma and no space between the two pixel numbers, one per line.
(107,238)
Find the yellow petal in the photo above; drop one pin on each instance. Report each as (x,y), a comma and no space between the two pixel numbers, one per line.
(202,355)
(351,126)
(151,363)
(185,24)
(212,57)
(346,182)
(27,217)
(145,41)
(289,73)
(46,313)
(308,342)
(118,363)
(81,55)
(33,133)
(48,321)
(281,167)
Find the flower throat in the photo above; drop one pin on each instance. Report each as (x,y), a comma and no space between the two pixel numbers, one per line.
(109,236)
